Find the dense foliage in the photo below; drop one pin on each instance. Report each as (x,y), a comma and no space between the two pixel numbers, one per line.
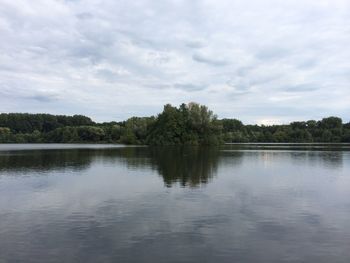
(191,124)
(328,130)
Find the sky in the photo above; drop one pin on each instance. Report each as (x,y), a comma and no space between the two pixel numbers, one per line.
(261,61)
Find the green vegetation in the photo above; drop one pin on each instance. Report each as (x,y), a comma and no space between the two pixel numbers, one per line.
(190,124)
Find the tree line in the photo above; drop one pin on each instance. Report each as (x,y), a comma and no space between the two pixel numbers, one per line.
(188,124)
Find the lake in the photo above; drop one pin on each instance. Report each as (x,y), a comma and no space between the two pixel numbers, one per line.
(237,203)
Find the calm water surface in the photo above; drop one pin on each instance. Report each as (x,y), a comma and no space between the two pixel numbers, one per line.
(238,203)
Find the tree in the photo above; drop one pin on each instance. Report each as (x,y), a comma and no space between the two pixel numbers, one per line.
(189,124)
(331,123)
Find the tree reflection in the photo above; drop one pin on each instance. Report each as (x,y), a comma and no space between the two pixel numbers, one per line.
(44,160)
(188,166)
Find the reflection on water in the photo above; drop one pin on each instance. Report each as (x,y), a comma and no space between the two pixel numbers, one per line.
(45,161)
(174,204)
(188,166)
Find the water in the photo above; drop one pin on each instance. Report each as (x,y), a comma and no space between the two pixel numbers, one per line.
(238,203)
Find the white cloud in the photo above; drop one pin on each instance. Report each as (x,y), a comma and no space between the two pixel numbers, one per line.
(253,60)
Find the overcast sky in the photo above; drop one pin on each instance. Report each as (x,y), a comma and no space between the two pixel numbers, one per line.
(259,61)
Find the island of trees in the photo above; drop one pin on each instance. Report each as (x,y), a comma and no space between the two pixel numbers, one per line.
(188,124)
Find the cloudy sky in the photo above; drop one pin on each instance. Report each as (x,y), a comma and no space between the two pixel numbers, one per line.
(260,61)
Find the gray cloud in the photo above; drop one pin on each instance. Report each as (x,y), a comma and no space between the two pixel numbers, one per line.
(271,53)
(107,75)
(23,94)
(214,61)
(190,87)
(195,44)
(43,98)
(85,15)
(307,87)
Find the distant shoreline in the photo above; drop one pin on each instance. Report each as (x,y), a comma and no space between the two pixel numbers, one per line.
(188,124)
